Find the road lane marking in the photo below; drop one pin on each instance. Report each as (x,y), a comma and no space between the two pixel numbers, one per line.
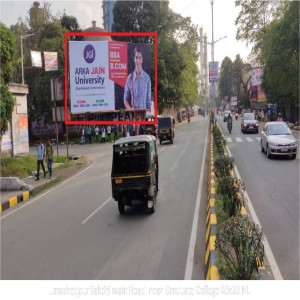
(249,139)
(47,192)
(273,264)
(229,140)
(190,258)
(239,140)
(96,210)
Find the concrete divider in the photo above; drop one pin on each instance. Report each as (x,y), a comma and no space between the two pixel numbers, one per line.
(211,270)
(243,211)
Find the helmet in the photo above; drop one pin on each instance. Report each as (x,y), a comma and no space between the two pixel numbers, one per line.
(279,115)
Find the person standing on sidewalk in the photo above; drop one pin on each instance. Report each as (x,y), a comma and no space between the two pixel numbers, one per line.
(103,134)
(49,156)
(82,134)
(108,132)
(97,133)
(40,159)
(115,132)
(89,132)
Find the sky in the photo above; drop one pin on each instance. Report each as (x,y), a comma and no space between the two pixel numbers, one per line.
(224,11)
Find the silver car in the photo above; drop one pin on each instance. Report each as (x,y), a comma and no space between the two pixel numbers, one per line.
(277,139)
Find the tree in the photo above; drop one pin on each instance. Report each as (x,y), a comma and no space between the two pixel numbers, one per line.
(241,81)
(254,19)
(51,39)
(281,55)
(8,51)
(225,82)
(177,47)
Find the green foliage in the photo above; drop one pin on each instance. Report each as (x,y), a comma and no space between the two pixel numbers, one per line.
(281,57)
(241,81)
(231,190)
(51,39)
(177,47)
(219,141)
(8,51)
(23,166)
(225,82)
(223,165)
(254,18)
(240,245)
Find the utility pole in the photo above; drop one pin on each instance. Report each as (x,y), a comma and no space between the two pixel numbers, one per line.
(213,58)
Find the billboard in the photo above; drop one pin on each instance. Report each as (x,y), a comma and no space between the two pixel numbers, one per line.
(109,76)
(213,71)
(257,95)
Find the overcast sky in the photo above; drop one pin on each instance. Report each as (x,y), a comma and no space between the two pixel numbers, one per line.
(225,14)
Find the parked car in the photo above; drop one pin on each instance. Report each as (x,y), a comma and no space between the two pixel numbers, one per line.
(277,139)
(226,115)
(249,123)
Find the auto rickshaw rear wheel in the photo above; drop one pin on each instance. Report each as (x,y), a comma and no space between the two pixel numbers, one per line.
(121,207)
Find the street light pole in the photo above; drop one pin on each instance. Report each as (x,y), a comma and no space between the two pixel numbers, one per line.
(213,58)
(23,37)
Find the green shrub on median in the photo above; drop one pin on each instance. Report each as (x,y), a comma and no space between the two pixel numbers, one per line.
(240,248)
(223,165)
(230,188)
(219,141)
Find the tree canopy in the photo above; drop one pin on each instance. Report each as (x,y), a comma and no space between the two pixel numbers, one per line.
(225,82)
(8,52)
(281,56)
(177,47)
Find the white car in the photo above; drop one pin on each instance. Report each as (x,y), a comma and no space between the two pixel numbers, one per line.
(277,139)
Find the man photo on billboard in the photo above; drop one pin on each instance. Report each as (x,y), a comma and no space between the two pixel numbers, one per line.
(137,92)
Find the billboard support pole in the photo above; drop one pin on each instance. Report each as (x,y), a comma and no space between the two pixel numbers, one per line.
(56,129)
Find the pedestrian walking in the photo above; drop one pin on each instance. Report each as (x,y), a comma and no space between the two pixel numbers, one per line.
(89,132)
(97,133)
(128,131)
(262,116)
(40,159)
(259,116)
(82,134)
(108,132)
(103,134)
(49,157)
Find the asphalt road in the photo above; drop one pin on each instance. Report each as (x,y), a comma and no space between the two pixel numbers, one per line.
(74,231)
(273,187)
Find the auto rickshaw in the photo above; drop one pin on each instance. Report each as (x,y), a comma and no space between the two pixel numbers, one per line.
(134,175)
(151,128)
(166,130)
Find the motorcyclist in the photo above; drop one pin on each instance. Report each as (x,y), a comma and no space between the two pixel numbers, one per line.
(229,123)
(189,117)
(236,115)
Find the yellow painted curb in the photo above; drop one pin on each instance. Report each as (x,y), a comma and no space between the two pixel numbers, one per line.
(243,211)
(214,274)
(13,201)
(213,219)
(25,196)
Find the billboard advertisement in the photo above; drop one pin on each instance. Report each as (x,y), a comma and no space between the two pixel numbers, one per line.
(109,76)
(257,95)
(213,71)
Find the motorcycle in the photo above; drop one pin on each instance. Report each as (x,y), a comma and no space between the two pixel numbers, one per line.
(229,126)
(236,116)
